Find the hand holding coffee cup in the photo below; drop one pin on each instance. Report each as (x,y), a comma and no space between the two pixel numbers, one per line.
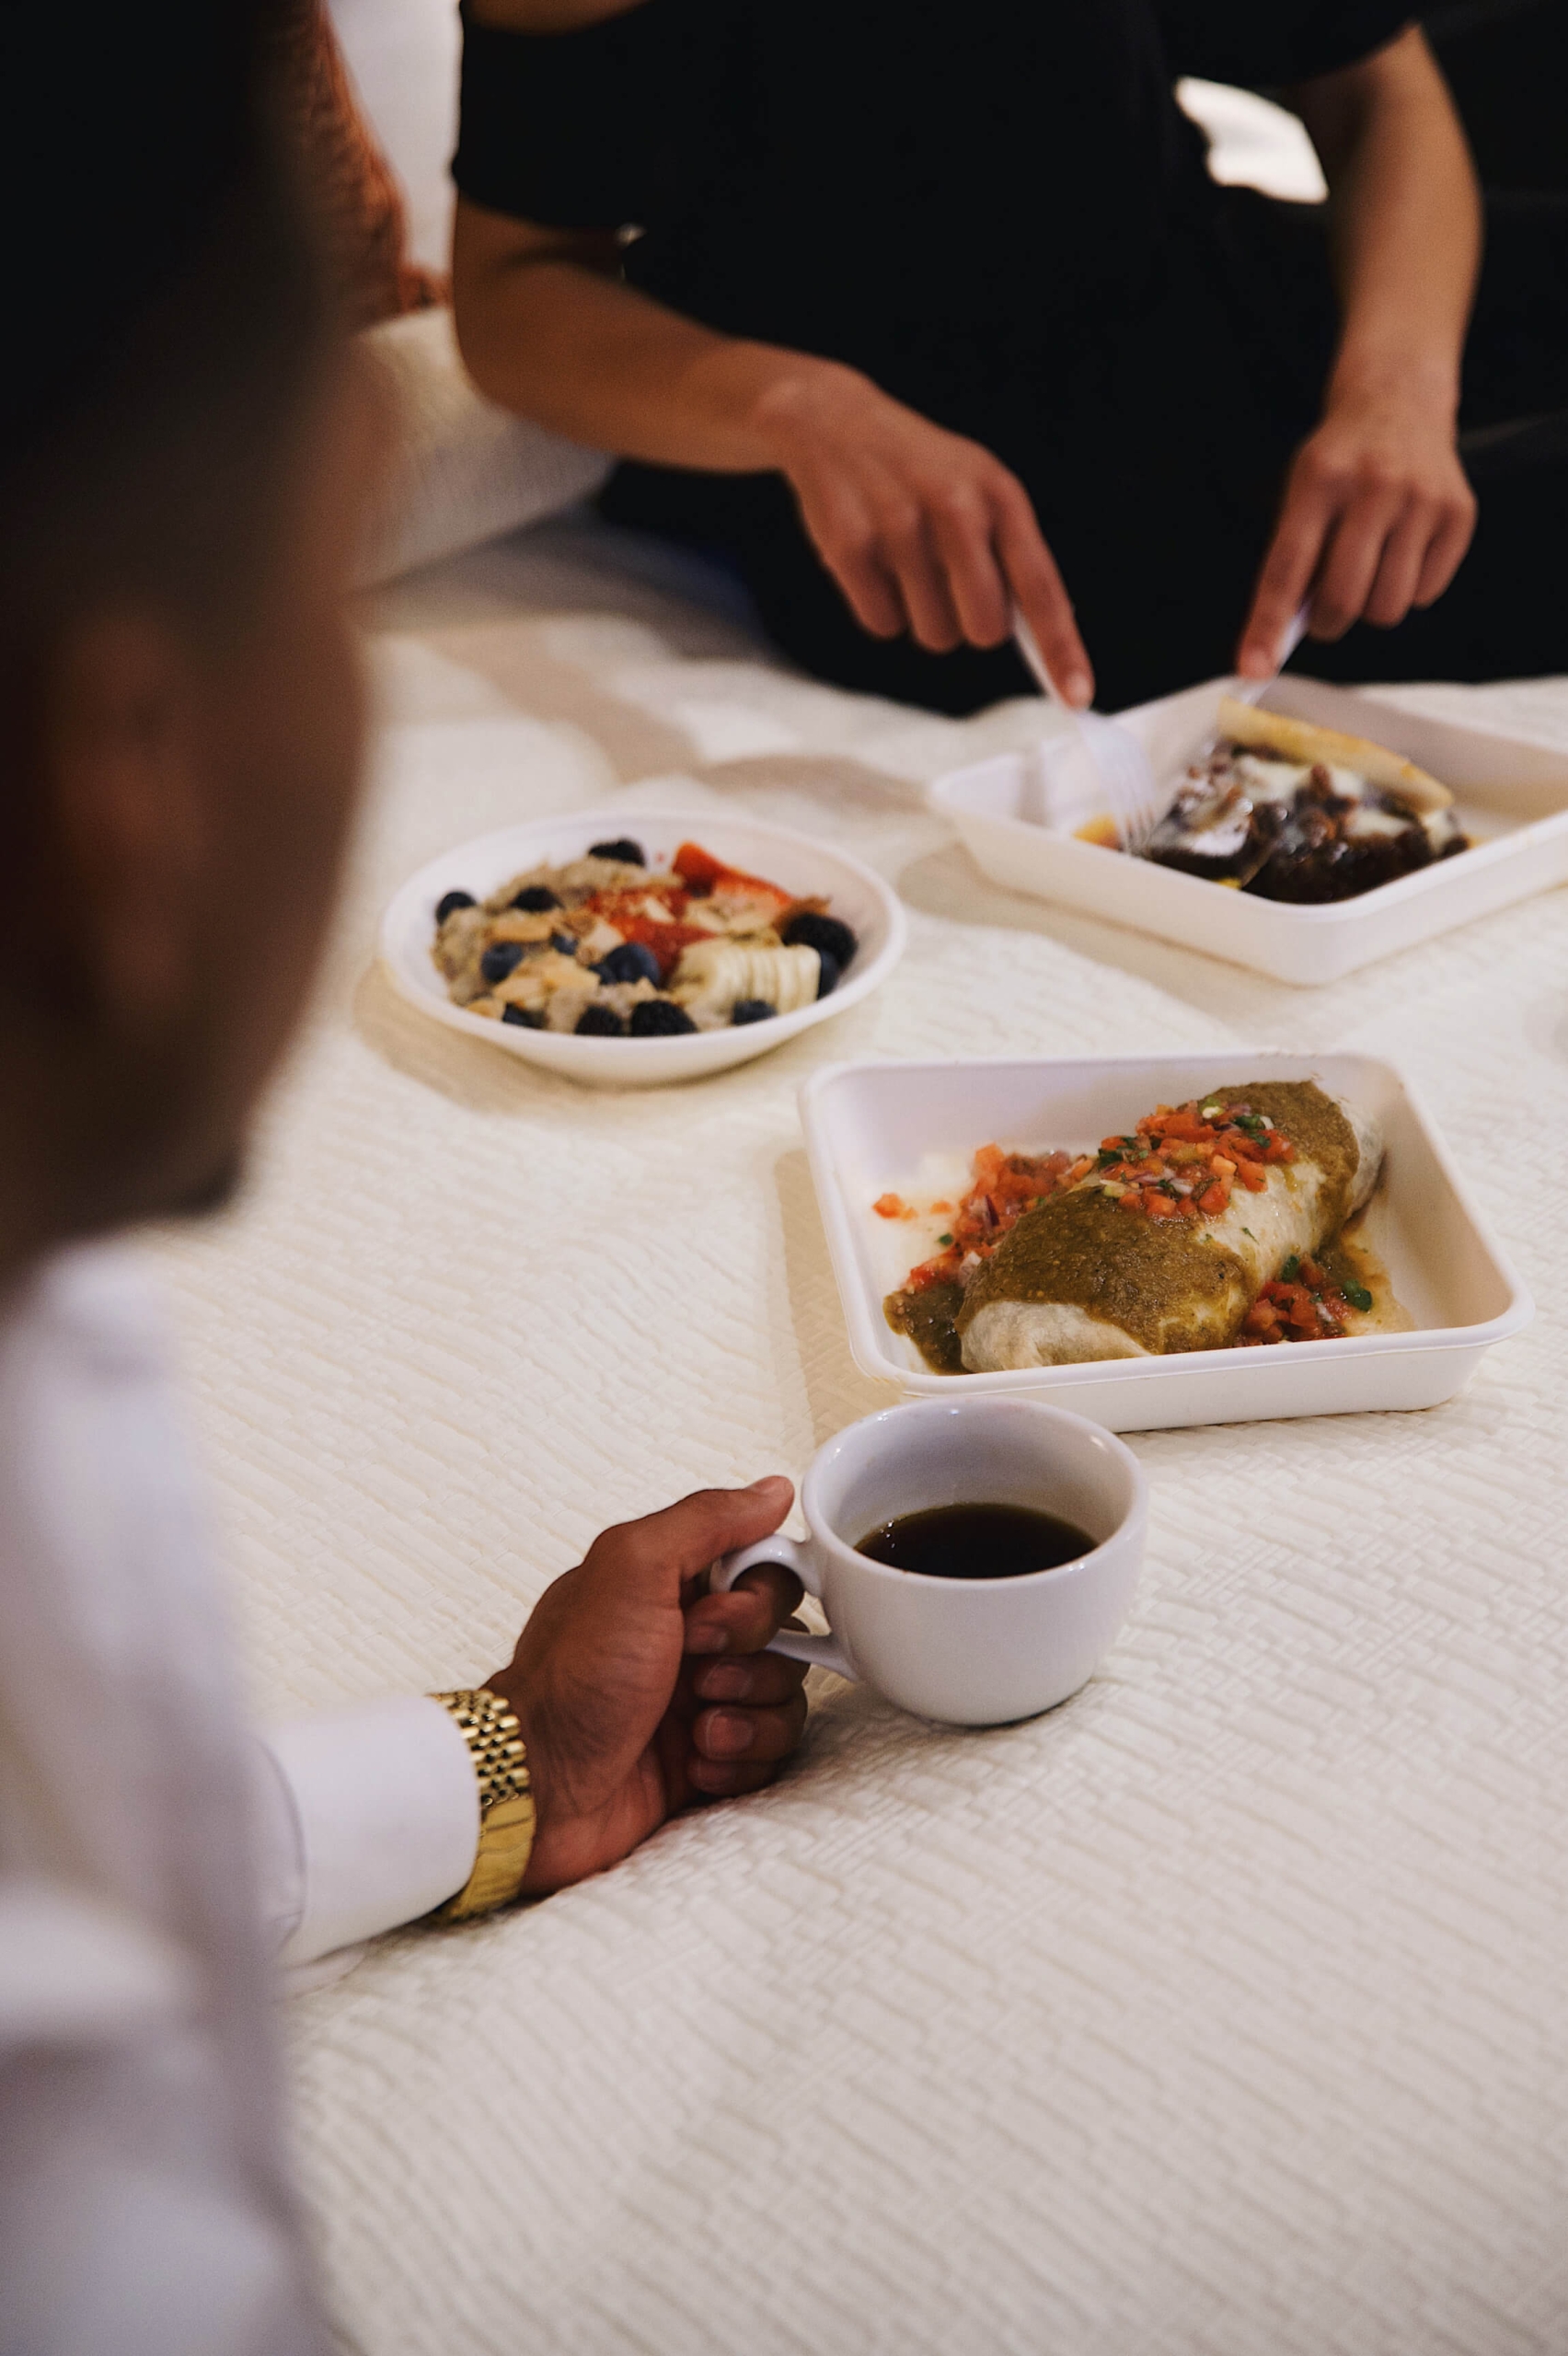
(975,1616)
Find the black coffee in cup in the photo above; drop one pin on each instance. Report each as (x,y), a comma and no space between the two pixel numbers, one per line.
(976,1541)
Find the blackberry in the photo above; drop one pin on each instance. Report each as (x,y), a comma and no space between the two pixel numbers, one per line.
(827,978)
(564,945)
(534,899)
(752,1009)
(502,957)
(531,1018)
(631,854)
(659,1018)
(826,935)
(450,902)
(599,1022)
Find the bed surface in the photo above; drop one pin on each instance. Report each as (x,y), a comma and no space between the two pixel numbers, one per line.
(1221,2010)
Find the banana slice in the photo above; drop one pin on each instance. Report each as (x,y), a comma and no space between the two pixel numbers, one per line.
(712,974)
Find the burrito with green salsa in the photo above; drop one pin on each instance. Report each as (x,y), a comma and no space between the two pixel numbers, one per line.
(1167,1243)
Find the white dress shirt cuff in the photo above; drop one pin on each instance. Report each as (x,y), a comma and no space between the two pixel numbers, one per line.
(385,1805)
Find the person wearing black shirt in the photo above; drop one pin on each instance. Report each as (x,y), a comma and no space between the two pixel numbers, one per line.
(914,314)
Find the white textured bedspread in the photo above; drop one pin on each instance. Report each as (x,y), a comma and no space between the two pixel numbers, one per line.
(1221,2013)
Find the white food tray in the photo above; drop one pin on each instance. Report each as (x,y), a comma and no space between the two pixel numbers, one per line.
(1512,799)
(796,862)
(911,1129)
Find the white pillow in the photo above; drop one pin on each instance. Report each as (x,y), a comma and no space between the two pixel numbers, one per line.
(465,471)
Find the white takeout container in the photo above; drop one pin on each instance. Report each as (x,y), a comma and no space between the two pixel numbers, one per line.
(796,862)
(1511,798)
(869,1126)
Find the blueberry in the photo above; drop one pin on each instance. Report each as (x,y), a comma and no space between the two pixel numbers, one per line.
(827,976)
(530,1017)
(499,959)
(659,1018)
(826,935)
(631,854)
(451,901)
(564,945)
(599,1022)
(752,1009)
(534,899)
(631,962)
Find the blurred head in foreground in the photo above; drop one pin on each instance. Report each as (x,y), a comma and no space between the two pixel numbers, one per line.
(185,450)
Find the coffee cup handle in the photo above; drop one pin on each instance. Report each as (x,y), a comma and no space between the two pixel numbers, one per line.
(795,1644)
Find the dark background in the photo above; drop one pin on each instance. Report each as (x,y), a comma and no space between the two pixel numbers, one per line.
(1507,63)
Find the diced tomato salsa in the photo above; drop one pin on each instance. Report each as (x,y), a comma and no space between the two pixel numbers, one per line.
(1181,1161)
(1302,1304)
(1185,1161)
(1005,1186)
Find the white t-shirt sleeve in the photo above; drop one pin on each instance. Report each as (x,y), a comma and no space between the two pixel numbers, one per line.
(367,1817)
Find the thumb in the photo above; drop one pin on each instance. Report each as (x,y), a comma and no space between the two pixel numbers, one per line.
(652,1558)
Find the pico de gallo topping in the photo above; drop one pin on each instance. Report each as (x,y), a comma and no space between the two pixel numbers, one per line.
(1303,1303)
(1181,1161)
(1005,1186)
(1185,1161)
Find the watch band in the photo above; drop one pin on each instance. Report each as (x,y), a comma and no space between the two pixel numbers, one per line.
(490,1728)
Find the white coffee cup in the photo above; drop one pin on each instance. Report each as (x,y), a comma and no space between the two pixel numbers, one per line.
(971,1652)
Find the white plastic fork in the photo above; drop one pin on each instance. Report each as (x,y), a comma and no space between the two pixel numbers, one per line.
(1135,801)
(1253,690)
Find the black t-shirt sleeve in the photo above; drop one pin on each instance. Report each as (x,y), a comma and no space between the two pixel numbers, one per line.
(582,130)
(1262,44)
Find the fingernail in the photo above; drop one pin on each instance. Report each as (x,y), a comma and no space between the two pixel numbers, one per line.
(728,1734)
(1255,664)
(705,1637)
(768,1480)
(710,1775)
(726,1682)
(1079,688)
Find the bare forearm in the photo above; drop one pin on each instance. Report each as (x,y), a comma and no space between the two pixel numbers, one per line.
(595,359)
(1376,512)
(1405,223)
(921,529)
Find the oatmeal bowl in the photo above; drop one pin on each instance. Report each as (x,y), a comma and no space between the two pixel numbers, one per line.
(632,950)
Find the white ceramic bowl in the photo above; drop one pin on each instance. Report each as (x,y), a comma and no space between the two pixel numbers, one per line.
(869,1126)
(799,864)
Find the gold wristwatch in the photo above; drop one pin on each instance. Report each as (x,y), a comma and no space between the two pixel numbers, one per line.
(506,1803)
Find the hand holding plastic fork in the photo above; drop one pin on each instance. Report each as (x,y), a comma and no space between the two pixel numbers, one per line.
(1135,801)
